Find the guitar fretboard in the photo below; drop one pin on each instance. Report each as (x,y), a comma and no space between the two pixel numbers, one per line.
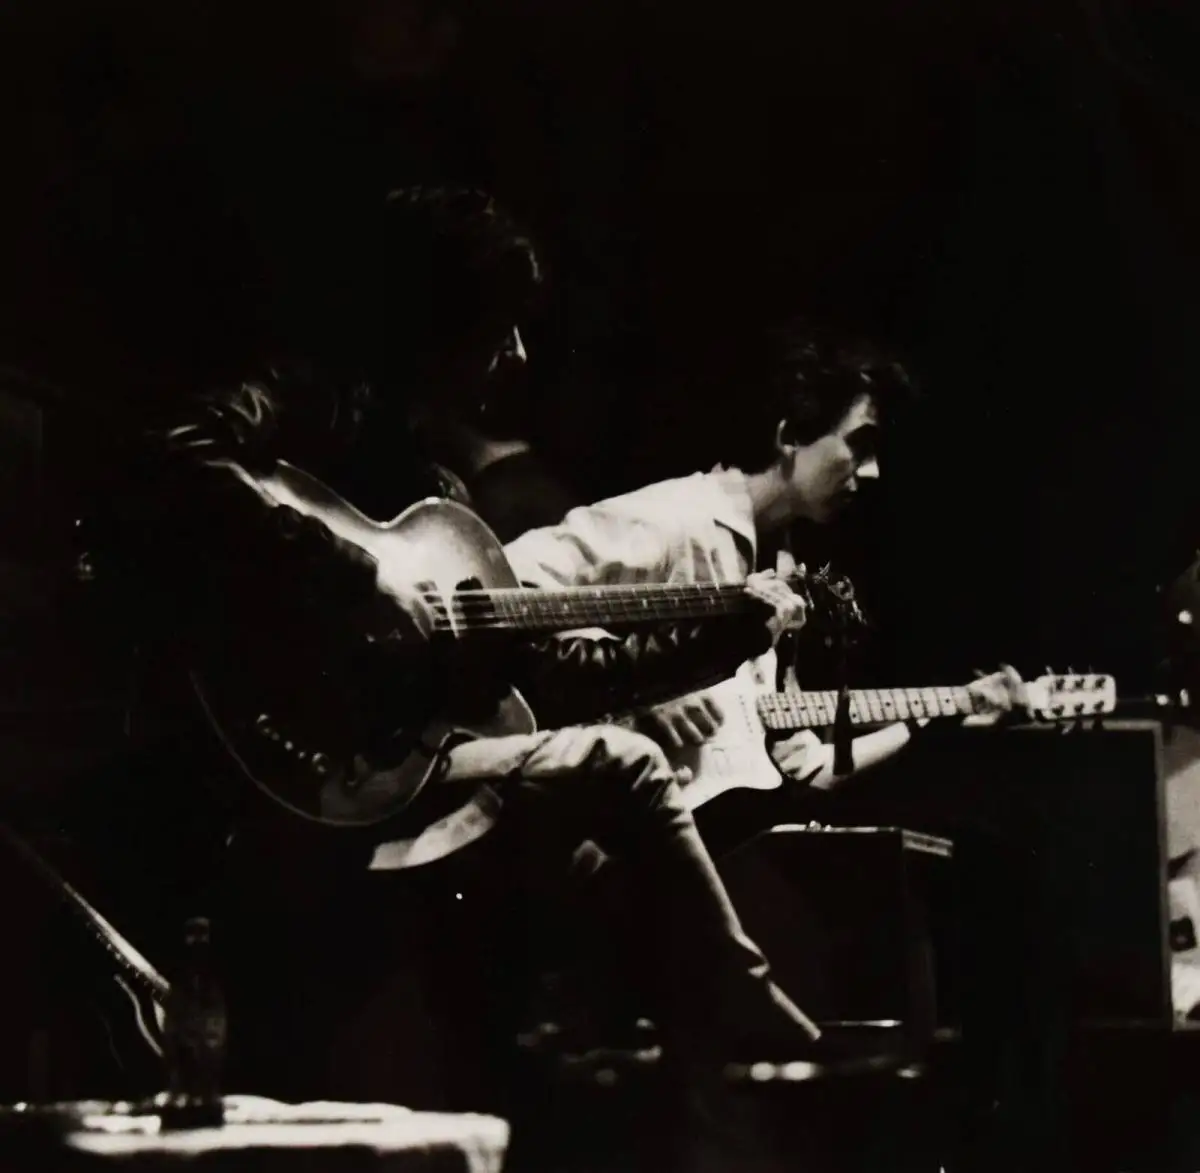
(794,709)
(525,609)
(131,963)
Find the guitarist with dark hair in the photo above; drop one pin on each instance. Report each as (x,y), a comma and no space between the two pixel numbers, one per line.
(218,564)
(801,451)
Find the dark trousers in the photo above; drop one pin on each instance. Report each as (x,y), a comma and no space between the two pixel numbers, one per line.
(410,985)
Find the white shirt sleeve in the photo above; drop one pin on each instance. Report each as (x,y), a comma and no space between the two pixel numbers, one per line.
(594,545)
(613,542)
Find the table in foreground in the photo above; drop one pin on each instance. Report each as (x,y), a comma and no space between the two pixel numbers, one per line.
(258,1134)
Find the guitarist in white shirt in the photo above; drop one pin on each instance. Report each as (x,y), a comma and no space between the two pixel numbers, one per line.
(811,447)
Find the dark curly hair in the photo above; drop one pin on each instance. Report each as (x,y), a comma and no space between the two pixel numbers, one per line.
(808,375)
(449,269)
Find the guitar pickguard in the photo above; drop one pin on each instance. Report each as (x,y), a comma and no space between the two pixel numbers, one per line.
(736,756)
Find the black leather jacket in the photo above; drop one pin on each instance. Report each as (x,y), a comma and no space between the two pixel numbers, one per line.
(206,544)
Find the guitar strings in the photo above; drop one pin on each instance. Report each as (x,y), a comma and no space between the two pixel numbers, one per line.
(520,607)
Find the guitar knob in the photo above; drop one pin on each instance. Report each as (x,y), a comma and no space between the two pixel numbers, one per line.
(320,763)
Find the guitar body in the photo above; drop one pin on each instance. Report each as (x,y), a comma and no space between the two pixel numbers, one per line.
(735,790)
(303,742)
(735,757)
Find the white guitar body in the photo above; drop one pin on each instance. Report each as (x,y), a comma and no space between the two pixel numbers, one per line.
(736,756)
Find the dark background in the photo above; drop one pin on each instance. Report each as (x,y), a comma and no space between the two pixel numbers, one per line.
(1004,191)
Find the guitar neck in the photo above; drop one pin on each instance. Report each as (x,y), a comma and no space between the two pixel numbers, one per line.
(530,610)
(793,709)
(130,962)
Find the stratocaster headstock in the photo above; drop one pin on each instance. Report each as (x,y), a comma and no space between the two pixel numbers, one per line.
(1070,696)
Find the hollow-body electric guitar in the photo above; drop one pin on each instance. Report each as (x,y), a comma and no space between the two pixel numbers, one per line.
(303,736)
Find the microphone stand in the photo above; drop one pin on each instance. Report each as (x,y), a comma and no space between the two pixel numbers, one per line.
(839,642)
(843,729)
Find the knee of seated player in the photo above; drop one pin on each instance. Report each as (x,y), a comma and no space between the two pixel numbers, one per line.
(630,772)
(604,768)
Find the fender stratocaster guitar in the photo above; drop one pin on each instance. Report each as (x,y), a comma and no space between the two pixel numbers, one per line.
(737,757)
(304,737)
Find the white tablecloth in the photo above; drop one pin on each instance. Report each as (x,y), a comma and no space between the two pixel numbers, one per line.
(398,1138)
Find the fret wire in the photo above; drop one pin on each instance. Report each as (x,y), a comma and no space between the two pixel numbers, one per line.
(869,705)
(598,614)
(533,609)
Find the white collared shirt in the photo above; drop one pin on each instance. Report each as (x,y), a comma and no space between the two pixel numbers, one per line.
(694,529)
